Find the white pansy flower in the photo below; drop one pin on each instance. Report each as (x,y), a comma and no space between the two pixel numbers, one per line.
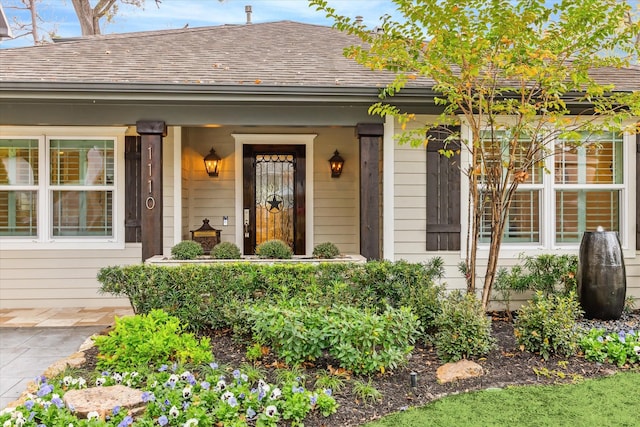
(93,415)
(263,386)
(276,393)
(186,392)
(271,411)
(174,412)
(226,396)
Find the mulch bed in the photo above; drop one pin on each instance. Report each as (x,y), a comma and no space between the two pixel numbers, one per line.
(503,366)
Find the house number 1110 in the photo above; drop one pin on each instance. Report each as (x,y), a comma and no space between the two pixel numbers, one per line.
(150,203)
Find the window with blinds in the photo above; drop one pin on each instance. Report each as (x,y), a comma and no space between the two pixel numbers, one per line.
(19,187)
(77,196)
(588,182)
(523,222)
(81,184)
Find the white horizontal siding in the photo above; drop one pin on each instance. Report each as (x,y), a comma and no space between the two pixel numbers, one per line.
(60,278)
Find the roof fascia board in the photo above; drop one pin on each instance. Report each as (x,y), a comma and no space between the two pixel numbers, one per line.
(205,93)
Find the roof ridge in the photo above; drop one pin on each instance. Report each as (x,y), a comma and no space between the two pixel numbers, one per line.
(173,31)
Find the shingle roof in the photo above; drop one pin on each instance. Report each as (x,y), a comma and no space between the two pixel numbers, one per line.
(278,54)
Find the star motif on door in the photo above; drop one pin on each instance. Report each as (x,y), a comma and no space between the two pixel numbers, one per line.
(274,203)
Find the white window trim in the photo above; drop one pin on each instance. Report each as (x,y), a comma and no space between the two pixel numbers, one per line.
(306,139)
(44,239)
(627,231)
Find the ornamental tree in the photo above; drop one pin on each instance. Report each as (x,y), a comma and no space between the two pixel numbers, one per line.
(517,75)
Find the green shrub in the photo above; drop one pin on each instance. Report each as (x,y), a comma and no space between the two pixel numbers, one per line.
(360,341)
(326,250)
(384,283)
(550,274)
(274,249)
(462,328)
(226,250)
(296,334)
(213,296)
(187,249)
(366,342)
(148,341)
(547,324)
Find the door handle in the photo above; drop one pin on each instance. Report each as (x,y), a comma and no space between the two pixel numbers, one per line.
(247,217)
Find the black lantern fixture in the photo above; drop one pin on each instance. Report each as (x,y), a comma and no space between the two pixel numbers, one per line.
(212,163)
(336,163)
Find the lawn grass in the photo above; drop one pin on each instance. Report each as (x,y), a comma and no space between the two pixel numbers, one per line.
(611,401)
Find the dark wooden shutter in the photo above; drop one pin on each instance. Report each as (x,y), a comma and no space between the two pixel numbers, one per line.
(638,191)
(132,204)
(370,136)
(443,192)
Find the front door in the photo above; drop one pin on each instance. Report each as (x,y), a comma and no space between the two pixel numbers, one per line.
(274,196)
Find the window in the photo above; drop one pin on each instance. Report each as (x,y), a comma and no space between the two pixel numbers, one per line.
(582,189)
(19,187)
(81,185)
(57,188)
(588,183)
(524,221)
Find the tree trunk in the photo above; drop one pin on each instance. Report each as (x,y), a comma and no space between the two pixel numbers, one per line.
(473,233)
(34,21)
(492,266)
(85,16)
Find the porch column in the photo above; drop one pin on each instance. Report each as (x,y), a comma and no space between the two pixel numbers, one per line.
(370,136)
(151,185)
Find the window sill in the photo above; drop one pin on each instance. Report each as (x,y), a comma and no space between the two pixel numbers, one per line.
(35,245)
(518,252)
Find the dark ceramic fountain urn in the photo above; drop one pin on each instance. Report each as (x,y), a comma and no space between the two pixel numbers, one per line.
(602,282)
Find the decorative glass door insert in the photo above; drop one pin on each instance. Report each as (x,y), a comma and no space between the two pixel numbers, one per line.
(274,197)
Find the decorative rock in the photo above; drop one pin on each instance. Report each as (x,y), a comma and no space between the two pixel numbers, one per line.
(55,368)
(87,344)
(74,361)
(458,371)
(103,399)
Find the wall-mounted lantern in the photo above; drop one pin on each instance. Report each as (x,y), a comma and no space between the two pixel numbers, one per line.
(212,163)
(336,163)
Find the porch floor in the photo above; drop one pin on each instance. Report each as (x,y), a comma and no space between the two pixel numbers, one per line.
(61,317)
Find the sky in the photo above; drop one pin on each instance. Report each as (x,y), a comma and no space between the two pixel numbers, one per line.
(171,14)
